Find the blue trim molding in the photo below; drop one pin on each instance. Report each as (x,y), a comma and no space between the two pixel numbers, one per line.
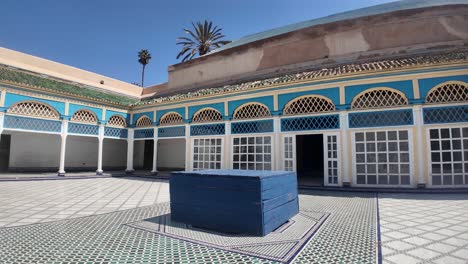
(402,117)
(321,122)
(447,114)
(260,126)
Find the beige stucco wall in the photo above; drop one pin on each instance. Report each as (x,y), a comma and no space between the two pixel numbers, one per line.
(395,33)
(39,65)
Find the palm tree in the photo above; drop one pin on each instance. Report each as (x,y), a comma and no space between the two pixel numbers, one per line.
(143,57)
(201,40)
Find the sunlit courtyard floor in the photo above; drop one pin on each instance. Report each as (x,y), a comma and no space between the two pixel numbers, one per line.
(124,220)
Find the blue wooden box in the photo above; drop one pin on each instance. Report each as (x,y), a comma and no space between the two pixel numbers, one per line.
(234,201)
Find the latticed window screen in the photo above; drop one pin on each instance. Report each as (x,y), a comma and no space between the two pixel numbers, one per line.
(309,105)
(171,119)
(377,98)
(26,123)
(449,156)
(207,153)
(382,157)
(84,116)
(178,131)
(448,114)
(207,115)
(116,121)
(33,109)
(252,153)
(449,92)
(250,111)
(208,129)
(310,123)
(144,121)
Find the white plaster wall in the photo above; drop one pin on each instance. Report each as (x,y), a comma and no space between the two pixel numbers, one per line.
(171,153)
(138,153)
(82,152)
(114,153)
(30,150)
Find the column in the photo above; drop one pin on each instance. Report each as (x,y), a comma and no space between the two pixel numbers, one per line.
(63,145)
(130,146)
(99,170)
(418,123)
(277,143)
(2,118)
(187,148)
(155,152)
(227,164)
(345,146)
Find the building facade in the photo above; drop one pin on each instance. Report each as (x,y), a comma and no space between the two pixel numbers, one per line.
(356,112)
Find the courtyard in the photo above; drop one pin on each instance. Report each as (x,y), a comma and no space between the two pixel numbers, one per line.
(127,220)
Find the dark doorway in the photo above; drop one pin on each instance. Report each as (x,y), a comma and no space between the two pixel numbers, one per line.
(148,155)
(309,153)
(4,152)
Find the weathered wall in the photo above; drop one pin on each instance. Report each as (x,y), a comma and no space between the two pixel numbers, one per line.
(343,41)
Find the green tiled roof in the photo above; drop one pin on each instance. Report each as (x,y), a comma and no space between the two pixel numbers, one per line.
(31,80)
(376,66)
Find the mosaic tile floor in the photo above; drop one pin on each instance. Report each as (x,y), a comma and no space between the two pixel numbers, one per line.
(280,245)
(415,228)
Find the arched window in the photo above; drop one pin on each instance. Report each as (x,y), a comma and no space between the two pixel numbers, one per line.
(144,121)
(251,110)
(378,98)
(448,92)
(308,104)
(84,116)
(171,118)
(116,121)
(207,115)
(35,109)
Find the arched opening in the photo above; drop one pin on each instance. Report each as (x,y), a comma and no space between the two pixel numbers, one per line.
(379,98)
(251,111)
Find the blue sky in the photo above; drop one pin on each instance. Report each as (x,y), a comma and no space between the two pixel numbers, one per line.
(104,36)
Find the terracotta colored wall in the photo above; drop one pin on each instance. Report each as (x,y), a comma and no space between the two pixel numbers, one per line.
(343,41)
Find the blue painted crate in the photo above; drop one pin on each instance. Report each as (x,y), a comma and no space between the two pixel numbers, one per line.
(234,201)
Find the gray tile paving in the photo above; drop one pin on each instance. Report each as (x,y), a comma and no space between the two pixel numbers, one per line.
(26,202)
(424,228)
